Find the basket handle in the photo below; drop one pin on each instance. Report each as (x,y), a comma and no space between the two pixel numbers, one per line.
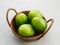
(8,13)
(52,20)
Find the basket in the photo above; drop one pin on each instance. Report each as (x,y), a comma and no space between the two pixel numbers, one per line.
(14,28)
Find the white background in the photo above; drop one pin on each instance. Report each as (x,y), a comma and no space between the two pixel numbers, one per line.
(49,8)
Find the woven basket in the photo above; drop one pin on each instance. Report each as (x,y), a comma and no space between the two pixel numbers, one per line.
(14,28)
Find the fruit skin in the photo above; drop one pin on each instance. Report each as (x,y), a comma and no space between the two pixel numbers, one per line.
(20,19)
(34,13)
(26,30)
(39,24)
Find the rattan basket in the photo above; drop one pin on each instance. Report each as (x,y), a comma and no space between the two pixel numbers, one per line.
(14,28)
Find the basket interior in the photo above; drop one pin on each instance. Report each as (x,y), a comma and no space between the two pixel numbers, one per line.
(14,28)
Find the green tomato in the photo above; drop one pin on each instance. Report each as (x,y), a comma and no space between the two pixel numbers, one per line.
(20,19)
(39,24)
(26,30)
(34,13)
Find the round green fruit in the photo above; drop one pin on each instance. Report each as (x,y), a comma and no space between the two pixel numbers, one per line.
(39,24)
(34,13)
(26,30)
(20,19)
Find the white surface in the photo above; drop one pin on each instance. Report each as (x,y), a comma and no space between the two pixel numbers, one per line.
(49,8)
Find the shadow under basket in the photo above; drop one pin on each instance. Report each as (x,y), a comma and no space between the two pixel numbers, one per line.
(14,28)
